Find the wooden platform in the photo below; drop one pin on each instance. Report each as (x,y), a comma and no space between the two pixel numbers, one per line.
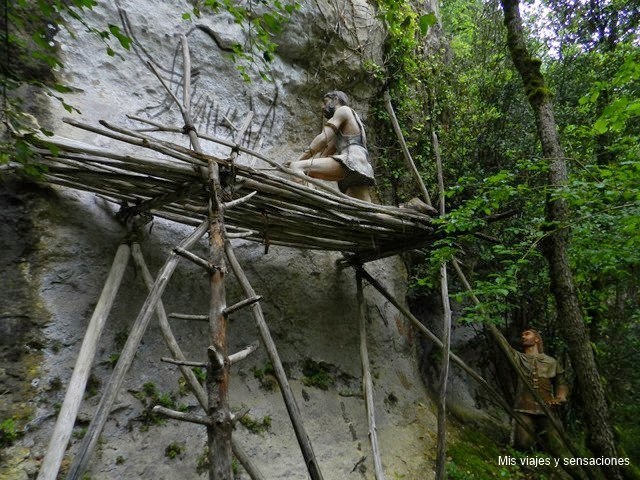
(265,203)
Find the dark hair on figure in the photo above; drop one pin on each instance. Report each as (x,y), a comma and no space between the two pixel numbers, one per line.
(338,95)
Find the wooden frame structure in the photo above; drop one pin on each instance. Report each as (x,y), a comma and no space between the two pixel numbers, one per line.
(227,200)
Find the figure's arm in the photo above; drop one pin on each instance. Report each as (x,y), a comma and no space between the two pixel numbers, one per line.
(321,141)
(561,389)
(328,134)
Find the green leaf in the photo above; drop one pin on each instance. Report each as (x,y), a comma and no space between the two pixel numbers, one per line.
(601,126)
(186,16)
(272,22)
(122,38)
(62,88)
(427,21)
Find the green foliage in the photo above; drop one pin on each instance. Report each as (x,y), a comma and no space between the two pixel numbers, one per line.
(256,426)
(404,73)
(317,374)
(474,456)
(149,396)
(55,384)
(120,338)
(266,376)
(79,433)
(28,39)
(174,450)
(201,374)
(113,359)
(493,164)
(8,432)
(149,389)
(618,113)
(202,463)
(32,25)
(93,385)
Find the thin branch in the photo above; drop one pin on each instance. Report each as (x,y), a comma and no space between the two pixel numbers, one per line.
(239,201)
(182,416)
(184,316)
(242,354)
(184,363)
(405,151)
(242,304)
(194,258)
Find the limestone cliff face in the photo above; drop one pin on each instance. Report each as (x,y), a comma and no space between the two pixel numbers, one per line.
(309,304)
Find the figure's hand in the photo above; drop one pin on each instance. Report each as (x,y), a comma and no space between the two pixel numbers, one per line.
(559,400)
(308,153)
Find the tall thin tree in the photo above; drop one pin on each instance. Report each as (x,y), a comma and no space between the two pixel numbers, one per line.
(555,246)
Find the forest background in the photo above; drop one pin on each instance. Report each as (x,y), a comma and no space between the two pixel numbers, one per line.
(466,90)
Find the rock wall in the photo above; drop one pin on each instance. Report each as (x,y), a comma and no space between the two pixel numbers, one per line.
(62,245)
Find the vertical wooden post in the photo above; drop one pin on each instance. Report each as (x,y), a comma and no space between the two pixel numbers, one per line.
(75,390)
(219,430)
(441,456)
(367,383)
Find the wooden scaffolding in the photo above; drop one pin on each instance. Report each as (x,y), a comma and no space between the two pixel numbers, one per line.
(227,200)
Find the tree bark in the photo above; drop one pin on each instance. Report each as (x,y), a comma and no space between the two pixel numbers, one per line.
(555,246)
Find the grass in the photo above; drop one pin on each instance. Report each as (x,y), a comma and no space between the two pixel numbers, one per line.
(317,374)
(173,450)
(256,426)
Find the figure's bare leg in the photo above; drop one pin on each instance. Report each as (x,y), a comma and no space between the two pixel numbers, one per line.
(360,192)
(328,168)
(325,168)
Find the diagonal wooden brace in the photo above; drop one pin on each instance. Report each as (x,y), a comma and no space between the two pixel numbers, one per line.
(241,304)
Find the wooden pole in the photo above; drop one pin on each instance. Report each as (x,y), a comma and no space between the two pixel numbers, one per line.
(189,376)
(405,151)
(441,455)
(367,383)
(444,376)
(219,429)
(125,360)
(272,352)
(77,384)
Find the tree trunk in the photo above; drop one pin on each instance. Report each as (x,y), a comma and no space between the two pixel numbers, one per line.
(554,248)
